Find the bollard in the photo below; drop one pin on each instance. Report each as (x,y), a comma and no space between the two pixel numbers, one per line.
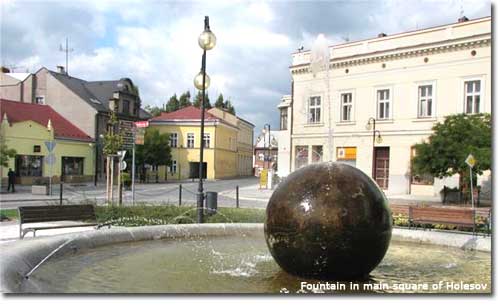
(180,195)
(237,196)
(60,193)
(120,195)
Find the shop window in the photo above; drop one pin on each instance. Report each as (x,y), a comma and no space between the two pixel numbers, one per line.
(72,166)
(29,166)
(301,156)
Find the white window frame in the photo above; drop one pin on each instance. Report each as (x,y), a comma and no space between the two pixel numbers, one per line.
(389,101)
(173,167)
(206,140)
(433,97)
(40,96)
(309,107)
(480,94)
(174,140)
(341,103)
(190,138)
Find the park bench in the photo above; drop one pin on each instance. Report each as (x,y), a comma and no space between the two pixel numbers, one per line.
(400,210)
(85,214)
(448,216)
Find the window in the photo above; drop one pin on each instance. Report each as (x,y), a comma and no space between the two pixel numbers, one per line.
(283,118)
(317,154)
(301,156)
(383,104)
(190,140)
(261,156)
(30,166)
(173,140)
(72,166)
(206,140)
(126,107)
(425,101)
(40,100)
(173,167)
(472,96)
(346,107)
(314,110)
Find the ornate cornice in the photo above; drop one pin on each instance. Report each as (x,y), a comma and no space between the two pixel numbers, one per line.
(396,54)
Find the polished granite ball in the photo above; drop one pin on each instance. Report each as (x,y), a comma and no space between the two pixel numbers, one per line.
(328,221)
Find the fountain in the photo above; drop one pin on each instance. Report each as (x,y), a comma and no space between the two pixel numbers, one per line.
(328,220)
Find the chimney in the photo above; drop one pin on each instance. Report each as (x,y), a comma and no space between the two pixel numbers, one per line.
(463,19)
(382,34)
(60,69)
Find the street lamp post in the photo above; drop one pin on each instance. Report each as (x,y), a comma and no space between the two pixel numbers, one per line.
(372,124)
(267,128)
(206,40)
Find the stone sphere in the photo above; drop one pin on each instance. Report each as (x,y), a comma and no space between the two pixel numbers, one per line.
(328,221)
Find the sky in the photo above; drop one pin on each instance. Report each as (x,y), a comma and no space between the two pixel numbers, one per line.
(155,42)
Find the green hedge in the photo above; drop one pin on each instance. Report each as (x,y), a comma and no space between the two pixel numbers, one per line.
(160,215)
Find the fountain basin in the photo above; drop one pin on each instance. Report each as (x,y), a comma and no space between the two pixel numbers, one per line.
(218,258)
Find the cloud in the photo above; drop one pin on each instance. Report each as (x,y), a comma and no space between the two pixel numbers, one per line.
(155,43)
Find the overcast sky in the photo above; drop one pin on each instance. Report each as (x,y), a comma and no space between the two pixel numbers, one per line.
(155,42)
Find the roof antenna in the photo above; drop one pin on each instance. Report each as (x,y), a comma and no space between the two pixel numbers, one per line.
(67,50)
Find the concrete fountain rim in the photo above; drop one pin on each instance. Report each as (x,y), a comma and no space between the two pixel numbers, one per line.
(20,257)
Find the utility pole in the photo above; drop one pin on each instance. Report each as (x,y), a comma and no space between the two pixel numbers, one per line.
(67,50)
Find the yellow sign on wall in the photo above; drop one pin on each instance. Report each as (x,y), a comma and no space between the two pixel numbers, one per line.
(346,153)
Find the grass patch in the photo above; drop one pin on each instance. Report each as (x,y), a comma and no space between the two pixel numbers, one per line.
(9,213)
(161,215)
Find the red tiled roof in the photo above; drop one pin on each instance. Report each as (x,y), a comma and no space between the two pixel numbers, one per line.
(187,113)
(20,111)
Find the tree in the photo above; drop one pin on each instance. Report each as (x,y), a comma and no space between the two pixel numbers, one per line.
(229,107)
(112,141)
(156,149)
(6,153)
(185,100)
(219,103)
(172,104)
(198,99)
(154,110)
(449,145)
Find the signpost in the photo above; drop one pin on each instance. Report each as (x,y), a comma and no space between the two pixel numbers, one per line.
(50,160)
(139,132)
(471,161)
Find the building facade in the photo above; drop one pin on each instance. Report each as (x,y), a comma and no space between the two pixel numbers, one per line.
(244,145)
(405,83)
(87,104)
(283,136)
(26,129)
(221,152)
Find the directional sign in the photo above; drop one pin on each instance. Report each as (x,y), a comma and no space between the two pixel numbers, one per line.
(471,161)
(143,124)
(123,165)
(50,145)
(50,159)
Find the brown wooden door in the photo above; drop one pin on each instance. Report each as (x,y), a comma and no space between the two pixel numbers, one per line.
(382,167)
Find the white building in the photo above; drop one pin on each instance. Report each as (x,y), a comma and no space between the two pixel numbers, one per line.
(283,136)
(407,82)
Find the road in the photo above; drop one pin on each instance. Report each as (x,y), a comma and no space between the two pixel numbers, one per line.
(154,193)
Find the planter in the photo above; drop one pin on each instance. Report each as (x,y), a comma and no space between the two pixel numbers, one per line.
(40,190)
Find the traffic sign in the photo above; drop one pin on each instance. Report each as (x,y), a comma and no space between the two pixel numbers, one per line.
(123,165)
(50,145)
(471,161)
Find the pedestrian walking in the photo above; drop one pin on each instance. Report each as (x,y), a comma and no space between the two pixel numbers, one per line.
(12,177)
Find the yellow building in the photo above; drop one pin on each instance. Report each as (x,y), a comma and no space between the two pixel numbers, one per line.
(28,128)
(221,144)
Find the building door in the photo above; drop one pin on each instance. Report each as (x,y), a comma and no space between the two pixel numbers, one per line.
(382,167)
